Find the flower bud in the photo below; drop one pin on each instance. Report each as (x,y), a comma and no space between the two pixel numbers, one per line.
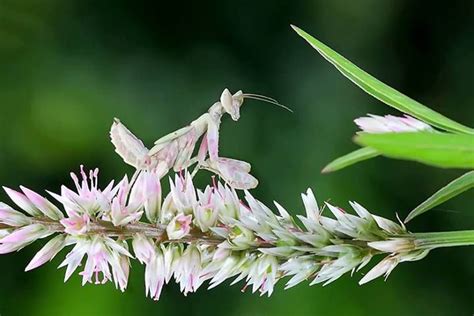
(153,194)
(22,237)
(41,203)
(155,275)
(11,217)
(23,202)
(48,252)
(393,245)
(241,237)
(179,226)
(143,248)
(384,267)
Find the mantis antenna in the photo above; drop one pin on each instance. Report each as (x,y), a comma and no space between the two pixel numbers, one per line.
(267,100)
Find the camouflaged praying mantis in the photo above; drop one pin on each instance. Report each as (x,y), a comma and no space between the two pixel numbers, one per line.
(176,149)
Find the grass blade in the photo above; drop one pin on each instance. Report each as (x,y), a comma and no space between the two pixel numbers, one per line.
(350,159)
(454,188)
(437,149)
(383,92)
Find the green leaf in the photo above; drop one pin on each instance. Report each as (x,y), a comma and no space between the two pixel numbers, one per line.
(456,187)
(383,92)
(350,159)
(437,149)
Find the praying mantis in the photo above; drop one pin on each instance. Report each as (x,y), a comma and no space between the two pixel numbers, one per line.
(175,150)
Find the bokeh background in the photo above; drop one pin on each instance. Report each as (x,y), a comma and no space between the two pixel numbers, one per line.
(67,68)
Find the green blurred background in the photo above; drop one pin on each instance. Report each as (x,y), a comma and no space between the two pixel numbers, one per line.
(68,67)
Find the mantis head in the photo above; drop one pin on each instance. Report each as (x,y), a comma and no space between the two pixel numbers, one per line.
(232,103)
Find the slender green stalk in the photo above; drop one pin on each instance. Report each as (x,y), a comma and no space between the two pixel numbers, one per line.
(444,239)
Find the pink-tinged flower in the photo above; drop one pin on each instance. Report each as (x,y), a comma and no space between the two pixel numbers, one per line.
(11,217)
(179,226)
(221,270)
(221,253)
(103,260)
(48,252)
(22,237)
(89,199)
(144,248)
(98,258)
(206,212)
(390,123)
(183,193)
(123,211)
(226,201)
(262,274)
(171,256)
(155,275)
(189,269)
(76,224)
(147,189)
(168,210)
(75,256)
(23,202)
(120,268)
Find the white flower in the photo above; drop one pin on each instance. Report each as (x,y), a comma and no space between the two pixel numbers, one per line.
(152,203)
(144,248)
(206,212)
(89,199)
(226,201)
(384,267)
(127,208)
(155,275)
(301,268)
(183,193)
(188,270)
(262,274)
(104,258)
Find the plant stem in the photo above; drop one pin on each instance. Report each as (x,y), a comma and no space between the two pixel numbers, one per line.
(443,239)
(421,241)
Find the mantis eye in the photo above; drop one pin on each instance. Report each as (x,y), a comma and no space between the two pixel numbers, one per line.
(230,105)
